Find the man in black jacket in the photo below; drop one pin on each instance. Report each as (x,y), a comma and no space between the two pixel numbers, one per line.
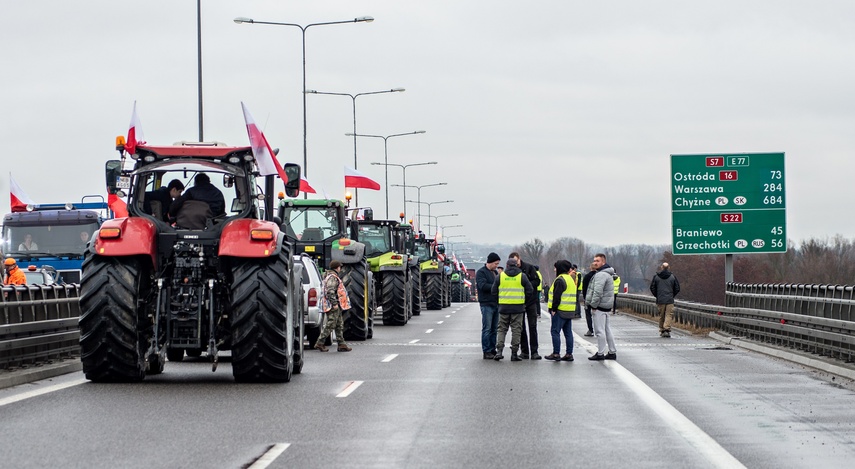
(165,195)
(665,287)
(529,341)
(586,280)
(204,191)
(489,303)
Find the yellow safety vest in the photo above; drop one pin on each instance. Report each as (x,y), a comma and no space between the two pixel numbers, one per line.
(617,284)
(568,296)
(511,291)
(579,281)
(540,285)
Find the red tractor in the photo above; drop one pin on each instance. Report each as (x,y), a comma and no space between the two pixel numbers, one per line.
(156,286)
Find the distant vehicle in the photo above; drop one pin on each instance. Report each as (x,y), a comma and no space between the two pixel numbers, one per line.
(44,275)
(54,234)
(312,290)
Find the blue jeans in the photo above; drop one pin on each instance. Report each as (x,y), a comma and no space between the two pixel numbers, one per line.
(489,326)
(560,324)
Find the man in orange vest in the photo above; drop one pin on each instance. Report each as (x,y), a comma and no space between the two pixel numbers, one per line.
(14,276)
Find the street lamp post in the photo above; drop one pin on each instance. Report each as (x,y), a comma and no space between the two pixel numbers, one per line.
(419,192)
(361,19)
(386,156)
(429,204)
(437,217)
(404,169)
(353,98)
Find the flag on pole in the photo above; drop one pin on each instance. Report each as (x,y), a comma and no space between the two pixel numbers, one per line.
(117,205)
(135,133)
(19,198)
(355,179)
(267,162)
(306,187)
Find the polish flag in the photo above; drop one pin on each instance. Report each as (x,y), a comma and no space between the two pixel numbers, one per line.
(117,205)
(135,133)
(355,179)
(19,198)
(306,187)
(264,157)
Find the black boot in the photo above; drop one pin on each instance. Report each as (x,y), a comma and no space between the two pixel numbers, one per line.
(515,357)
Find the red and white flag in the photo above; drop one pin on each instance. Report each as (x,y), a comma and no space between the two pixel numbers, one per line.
(267,162)
(135,133)
(355,179)
(19,198)
(117,205)
(306,187)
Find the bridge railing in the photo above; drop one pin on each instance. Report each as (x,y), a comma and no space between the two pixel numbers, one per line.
(810,318)
(38,323)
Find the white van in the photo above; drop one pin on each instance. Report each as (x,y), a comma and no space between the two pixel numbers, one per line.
(312,291)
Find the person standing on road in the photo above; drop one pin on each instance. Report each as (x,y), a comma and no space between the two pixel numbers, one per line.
(616,282)
(484,279)
(562,306)
(539,288)
(586,280)
(336,295)
(529,336)
(512,288)
(600,297)
(665,287)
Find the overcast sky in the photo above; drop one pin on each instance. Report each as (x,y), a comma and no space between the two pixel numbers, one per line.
(547,118)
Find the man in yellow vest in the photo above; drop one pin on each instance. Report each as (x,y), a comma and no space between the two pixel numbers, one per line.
(539,288)
(561,303)
(580,299)
(512,287)
(616,280)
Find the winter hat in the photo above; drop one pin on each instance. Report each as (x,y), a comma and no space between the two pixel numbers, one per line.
(562,267)
(512,262)
(493,257)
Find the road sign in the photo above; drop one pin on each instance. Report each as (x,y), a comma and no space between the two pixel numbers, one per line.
(728,203)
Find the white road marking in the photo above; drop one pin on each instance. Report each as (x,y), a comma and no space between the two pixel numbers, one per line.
(389,358)
(428,331)
(694,436)
(440,322)
(267,458)
(414,341)
(39,392)
(448,315)
(350,388)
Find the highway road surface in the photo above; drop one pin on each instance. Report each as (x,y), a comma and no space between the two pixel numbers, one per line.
(421,395)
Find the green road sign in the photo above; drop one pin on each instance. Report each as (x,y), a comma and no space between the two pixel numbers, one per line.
(728,203)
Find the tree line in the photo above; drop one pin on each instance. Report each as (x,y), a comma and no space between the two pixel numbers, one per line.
(829,261)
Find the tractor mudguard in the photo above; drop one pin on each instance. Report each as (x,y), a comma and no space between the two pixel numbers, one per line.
(136,235)
(236,238)
(348,252)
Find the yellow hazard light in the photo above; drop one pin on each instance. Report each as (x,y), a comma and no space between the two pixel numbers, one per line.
(120,143)
(261,235)
(109,233)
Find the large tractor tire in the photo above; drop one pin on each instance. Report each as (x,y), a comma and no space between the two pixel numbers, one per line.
(394,298)
(112,339)
(262,348)
(446,291)
(416,292)
(457,292)
(433,291)
(356,325)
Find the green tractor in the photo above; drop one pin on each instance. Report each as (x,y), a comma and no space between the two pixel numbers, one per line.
(432,270)
(459,288)
(407,244)
(389,264)
(319,229)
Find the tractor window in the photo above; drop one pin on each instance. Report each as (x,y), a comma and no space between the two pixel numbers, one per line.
(226,178)
(311,223)
(423,252)
(377,239)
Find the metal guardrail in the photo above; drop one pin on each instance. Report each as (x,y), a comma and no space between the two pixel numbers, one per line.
(38,323)
(810,318)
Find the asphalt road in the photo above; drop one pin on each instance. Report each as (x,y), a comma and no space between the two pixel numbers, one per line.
(421,396)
